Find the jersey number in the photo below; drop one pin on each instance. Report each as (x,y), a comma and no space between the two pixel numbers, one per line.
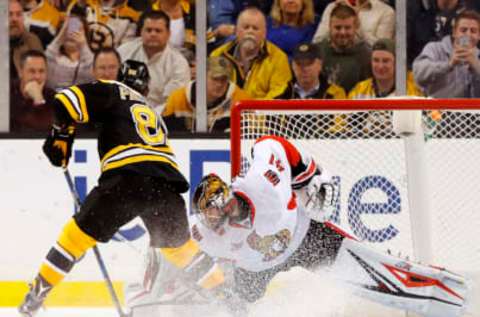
(272,177)
(148,125)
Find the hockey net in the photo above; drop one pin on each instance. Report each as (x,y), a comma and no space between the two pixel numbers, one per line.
(413,199)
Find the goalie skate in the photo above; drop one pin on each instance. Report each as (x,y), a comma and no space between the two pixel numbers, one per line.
(426,290)
(160,286)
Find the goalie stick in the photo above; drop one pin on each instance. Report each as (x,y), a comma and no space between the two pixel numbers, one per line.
(98,256)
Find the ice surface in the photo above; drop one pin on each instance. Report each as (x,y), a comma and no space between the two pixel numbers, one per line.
(296,293)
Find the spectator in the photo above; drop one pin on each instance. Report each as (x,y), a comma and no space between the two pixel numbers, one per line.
(223,14)
(189,55)
(382,82)
(260,67)
(377,20)
(380,85)
(106,64)
(30,100)
(182,21)
(21,40)
(179,113)
(431,20)
(309,81)
(346,60)
(111,22)
(290,23)
(42,18)
(69,56)
(222,17)
(450,68)
(168,68)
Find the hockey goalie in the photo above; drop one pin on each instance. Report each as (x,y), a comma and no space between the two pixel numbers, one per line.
(276,217)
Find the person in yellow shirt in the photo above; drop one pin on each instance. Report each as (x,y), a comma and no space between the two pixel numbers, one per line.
(382,85)
(382,82)
(222,94)
(260,67)
(43,19)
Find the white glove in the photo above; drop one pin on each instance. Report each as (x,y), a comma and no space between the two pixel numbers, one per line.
(318,197)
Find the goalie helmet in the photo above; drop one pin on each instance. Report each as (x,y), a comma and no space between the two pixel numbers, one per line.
(212,201)
(135,75)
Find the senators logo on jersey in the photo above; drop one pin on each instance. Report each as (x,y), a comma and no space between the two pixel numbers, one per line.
(270,246)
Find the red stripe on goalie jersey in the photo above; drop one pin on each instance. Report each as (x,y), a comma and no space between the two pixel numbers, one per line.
(293,156)
(300,172)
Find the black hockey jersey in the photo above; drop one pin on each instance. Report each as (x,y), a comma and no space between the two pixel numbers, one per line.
(131,135)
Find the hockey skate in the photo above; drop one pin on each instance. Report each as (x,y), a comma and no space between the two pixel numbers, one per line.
(35,297)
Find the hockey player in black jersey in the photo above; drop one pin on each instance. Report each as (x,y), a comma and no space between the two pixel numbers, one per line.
(139,177)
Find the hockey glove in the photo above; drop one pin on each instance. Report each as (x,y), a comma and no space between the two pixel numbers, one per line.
(58,145)
(318,198)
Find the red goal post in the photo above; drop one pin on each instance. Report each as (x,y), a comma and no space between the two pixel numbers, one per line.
(418,194)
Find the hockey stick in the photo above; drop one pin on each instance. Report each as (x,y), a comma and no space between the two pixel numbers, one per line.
(98,256)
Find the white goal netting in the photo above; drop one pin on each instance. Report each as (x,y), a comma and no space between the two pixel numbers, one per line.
(379,177)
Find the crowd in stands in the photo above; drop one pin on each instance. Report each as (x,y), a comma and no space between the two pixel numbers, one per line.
(270,49)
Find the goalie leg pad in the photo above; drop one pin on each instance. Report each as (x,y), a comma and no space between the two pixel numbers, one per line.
(426,290)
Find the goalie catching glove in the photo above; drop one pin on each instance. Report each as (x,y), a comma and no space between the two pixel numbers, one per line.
(318,196)
(58,145)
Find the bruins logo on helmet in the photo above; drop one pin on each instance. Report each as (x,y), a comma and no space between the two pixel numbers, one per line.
(211,191)
(211,194)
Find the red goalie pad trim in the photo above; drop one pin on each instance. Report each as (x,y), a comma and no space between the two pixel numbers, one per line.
(339,230)
(410,279)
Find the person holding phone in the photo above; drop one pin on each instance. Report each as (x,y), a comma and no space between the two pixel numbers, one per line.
(69,56)
(450,68)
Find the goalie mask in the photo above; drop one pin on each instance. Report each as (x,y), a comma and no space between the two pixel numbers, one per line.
(135,75)
(213,202)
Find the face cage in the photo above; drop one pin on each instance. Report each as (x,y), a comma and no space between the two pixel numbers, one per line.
(223,208)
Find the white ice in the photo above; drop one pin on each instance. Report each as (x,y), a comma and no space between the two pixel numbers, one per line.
(297,293)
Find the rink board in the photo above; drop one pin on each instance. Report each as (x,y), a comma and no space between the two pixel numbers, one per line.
(35,202)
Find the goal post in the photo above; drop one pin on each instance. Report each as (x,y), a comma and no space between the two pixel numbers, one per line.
(414,191)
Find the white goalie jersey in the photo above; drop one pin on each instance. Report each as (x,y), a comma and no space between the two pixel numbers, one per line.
(276,226)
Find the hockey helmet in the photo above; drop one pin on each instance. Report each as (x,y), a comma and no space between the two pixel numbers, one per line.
(212,201)
(135,75)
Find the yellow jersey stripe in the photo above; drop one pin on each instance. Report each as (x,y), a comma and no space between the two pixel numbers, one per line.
(68,105)
(137,159)
(83,104)
(121,148)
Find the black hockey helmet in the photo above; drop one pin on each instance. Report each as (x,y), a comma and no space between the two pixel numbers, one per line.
(135,75)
